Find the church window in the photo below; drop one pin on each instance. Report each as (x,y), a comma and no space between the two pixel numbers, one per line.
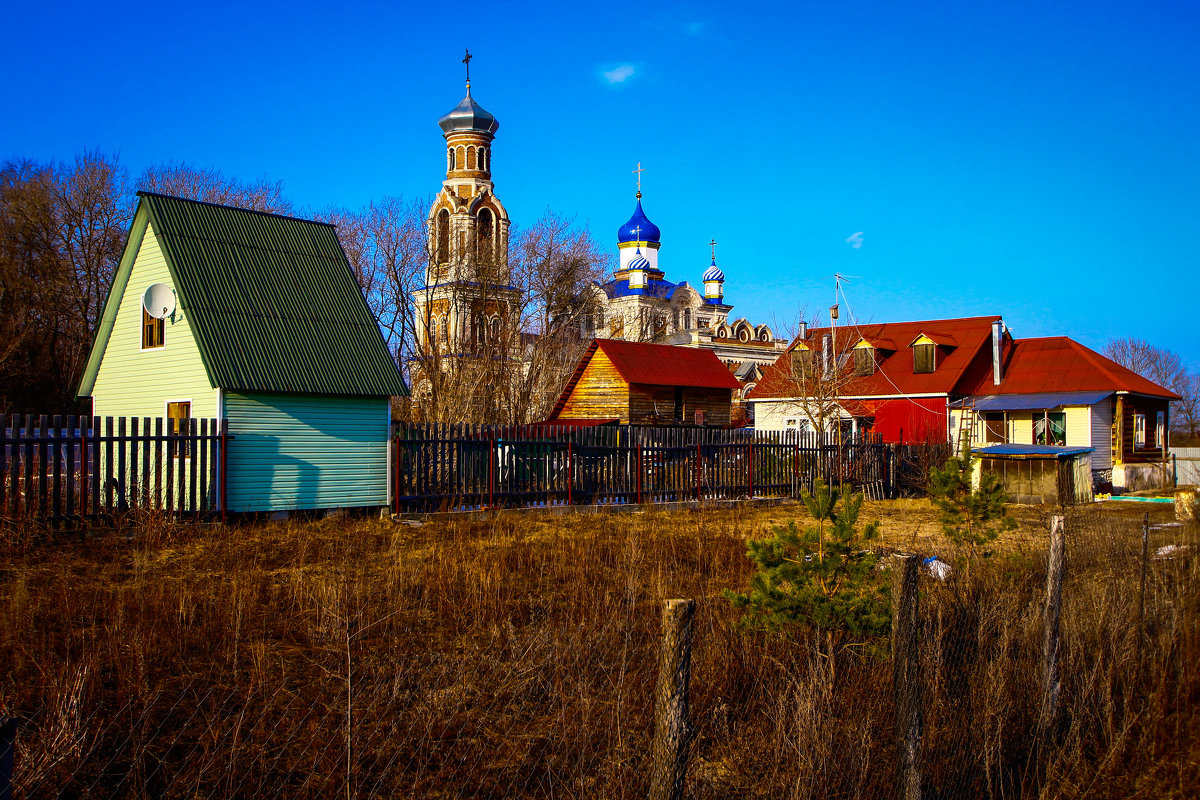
(449,159)
(744,335)
(495,328)
(470,158)
(443,237)
(486,245)
(480,330)
(687,319)
(443,332)
(483,154)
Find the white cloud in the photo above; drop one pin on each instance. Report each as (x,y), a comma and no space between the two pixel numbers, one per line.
(618,74)
(856,240)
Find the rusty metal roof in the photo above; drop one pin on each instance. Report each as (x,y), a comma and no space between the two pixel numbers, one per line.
(668,365)
(1061,364)
(272,301)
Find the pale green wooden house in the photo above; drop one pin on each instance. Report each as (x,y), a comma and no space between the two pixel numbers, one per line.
(270,331)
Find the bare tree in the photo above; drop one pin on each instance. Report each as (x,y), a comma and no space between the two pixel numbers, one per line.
(518,333)
(63,227)
(211,186)
(1153,363)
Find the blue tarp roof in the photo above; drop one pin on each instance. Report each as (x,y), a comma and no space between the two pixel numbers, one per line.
(1025,402)
(1029,450)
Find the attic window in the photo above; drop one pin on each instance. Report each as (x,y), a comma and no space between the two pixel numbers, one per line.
(153,331)
(864,361)
(924,358)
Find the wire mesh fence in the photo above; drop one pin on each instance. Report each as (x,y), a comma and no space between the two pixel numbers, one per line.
(519,657)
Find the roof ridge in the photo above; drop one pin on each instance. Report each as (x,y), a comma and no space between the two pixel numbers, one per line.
(144,193)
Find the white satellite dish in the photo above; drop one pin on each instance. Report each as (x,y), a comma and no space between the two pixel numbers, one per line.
(159,300)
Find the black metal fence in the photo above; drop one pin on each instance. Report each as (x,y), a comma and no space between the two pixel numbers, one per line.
(454,467)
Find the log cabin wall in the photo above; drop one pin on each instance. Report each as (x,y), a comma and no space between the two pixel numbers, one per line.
(601,393)
(1130,406)
(645,400)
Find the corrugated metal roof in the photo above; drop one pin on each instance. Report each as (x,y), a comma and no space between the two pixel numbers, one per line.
(668,365)
(272,300)
(1060,364)
(1025,402)
(1029,450)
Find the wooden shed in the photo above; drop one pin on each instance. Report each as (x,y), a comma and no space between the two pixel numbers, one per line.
(268,329)
(1034,474)
(648,383)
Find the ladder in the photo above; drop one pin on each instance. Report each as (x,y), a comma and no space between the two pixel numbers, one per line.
(966,424)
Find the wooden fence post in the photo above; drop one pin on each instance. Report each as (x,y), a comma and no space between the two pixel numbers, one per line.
(1051,681)
(638,476)
(906,675)
(672,730)
(698,470)
(570,474)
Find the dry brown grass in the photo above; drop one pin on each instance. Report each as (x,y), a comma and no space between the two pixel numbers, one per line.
(514,657)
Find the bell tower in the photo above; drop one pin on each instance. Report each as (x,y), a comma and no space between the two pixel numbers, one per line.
(467,298)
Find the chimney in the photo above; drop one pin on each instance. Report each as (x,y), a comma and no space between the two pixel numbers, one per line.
(997,360)
(803,331)
(827,354)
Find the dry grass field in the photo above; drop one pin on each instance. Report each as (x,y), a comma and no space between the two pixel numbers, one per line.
(514,656)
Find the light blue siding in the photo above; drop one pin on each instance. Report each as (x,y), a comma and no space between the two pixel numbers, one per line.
(306,451)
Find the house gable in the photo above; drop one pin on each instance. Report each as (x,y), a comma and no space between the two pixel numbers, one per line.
(126,379)
(595,391)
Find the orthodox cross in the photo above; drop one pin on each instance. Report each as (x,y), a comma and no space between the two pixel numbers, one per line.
(639,172)
(713,245)
(637,232)
(467,60)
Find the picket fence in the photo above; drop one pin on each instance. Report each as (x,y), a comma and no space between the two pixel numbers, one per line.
(67,469)
(463,467)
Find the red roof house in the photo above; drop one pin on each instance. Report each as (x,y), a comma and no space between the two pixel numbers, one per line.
(942,380)
(636,382)
(894,378)
(1054,391)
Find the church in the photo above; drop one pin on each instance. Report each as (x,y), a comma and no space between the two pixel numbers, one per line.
(468,303)
(637,303)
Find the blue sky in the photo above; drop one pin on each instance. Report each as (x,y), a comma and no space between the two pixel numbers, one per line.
(1037,160)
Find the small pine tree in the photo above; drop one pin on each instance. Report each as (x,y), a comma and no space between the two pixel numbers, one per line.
(823,577)
(969,516)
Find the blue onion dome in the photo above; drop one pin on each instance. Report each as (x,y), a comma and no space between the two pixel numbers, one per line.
(639,261)
(714,273)
(468,116)
(646,231)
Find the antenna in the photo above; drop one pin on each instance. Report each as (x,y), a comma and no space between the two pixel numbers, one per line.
(159,300)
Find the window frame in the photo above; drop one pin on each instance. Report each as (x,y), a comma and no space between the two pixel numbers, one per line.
(159,326)
(864,361)
(171,428)
(1047,438)
(931,349)
(1139,431)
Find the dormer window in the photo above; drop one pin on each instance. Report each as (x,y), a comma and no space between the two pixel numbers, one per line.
(924,358)
(864,360)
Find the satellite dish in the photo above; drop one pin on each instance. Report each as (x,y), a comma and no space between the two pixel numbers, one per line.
(159,300)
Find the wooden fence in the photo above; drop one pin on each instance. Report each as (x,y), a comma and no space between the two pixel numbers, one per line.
(473,467)
(66,469)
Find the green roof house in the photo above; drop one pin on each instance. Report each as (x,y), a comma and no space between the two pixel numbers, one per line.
(262,324)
